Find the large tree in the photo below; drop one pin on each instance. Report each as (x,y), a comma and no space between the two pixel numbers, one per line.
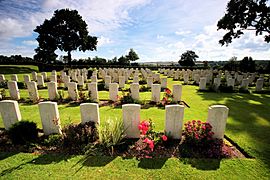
(66,31)
(188,58)
(132,55)
(247,65)
(245,15)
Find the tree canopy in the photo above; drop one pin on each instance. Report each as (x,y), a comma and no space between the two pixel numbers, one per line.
(245,15)
(188,58)
(132,55)
(66,31)
(247,64)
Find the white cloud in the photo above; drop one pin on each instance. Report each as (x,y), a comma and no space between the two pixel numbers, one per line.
(182,32)
(11,28)
(104,41)
(30,43)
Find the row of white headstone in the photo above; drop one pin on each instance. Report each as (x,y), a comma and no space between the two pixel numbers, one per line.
(174,116)
(92,88)
(231,83)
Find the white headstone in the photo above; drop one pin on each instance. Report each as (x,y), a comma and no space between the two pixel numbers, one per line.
(177,92)
(163,82)
(93,78)
(26,78)
(13,90)
(113,91)
(53,78)
(90,112)
(10,113)
(107,81)
(202,83)
(14,77)
(149,81)
(174,120)
(135,88)
(93,89)
(44,74)
(40,80)
(73,91)
(259,84)
(217,82)
(131,119)
(32,91)
(80,80)
(244,84)
(66,80)
(217,117)
(122,80)
(231,82)
(50,118)
(155,92)
(52,90)
(136,79)
(34,76)
(2,77)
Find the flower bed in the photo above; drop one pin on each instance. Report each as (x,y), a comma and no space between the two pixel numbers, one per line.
(197,142)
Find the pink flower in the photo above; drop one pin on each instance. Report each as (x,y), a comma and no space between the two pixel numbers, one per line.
(164,138)
(151,145)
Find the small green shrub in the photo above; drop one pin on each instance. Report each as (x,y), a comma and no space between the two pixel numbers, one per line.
(142,81)
(111,133)
(77,136)
(23,132)
(126,98)
(2,94)
(53,140)
(3,84)
(145,89)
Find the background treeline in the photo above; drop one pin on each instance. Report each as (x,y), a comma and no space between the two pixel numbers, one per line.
(247,64)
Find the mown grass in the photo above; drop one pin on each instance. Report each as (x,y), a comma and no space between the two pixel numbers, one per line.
(248,125)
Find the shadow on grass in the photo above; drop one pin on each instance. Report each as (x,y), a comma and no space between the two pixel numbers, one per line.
(4,155)
(202,164)
(250,114)
(96,161)
(50,158)
(15,70)
(40,160)
(152,163)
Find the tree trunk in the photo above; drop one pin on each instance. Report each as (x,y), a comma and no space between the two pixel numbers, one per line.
(69,58)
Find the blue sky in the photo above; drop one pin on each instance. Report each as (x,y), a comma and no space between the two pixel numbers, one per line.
(158,30)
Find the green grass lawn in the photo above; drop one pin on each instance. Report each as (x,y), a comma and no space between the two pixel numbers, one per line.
(248,125)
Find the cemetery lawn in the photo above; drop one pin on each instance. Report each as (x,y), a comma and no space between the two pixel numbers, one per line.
(248,125)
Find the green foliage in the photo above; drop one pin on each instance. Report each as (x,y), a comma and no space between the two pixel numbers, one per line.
(132,55)
(77,136)
(111,133)
(188,58)
(245,15)
(126,98)
(53,140)
(23,132)
(247,65)
(66,31)
(145,89)
(3,84)
(232,64)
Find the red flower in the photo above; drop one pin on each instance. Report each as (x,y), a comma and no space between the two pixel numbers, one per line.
(164,138)
(168,91)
